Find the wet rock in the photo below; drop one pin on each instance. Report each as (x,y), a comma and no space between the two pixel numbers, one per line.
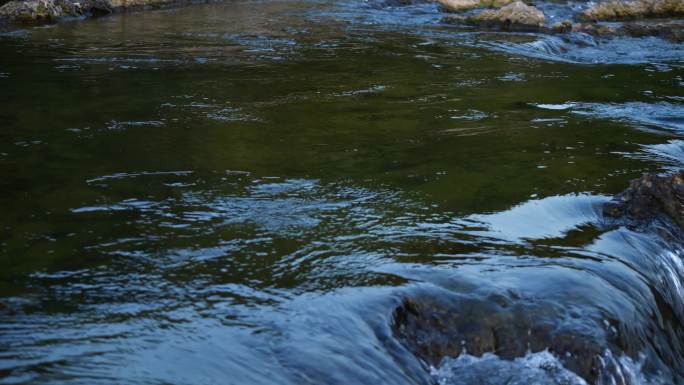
(516,16)
(465,5)
(435,327)
(671,30)
(633,9)
(52,10)
(562,26)
(459,5)
(650,196)
(594,29)
(31,10)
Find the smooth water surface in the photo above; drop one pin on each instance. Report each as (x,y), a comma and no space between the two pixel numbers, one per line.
(241,193)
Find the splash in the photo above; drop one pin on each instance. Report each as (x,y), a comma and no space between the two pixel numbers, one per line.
(538,368)
(534,368)
(623,370)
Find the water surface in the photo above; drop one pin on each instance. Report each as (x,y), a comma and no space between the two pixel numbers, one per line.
(243,192)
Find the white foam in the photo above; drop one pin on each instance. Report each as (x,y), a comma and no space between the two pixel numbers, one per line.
(536,369)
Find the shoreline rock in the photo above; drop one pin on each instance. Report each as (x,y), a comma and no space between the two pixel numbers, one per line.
(37,11)
(51,10)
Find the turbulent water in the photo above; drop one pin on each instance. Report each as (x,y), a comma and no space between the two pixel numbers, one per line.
(244,192)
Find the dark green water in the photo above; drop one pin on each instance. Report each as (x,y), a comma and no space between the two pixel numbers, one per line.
(239,193)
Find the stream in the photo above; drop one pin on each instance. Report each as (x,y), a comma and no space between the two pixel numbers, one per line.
(261,192)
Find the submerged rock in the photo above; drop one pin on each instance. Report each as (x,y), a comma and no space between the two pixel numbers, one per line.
(650,196)
(633,9)
(515,16)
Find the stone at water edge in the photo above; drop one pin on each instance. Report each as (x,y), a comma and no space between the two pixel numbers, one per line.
(650,196)
(52,10)
(34,10)
(515,16)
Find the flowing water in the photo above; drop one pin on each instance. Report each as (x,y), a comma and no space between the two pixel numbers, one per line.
(243,193)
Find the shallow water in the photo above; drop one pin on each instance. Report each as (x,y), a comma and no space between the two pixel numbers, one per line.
(242,193)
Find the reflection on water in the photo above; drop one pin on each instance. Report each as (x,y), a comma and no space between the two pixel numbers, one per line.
(559,214)
(670,153)
(244,193)
(649,116)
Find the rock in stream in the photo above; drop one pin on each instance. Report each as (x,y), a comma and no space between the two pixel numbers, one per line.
(514,16)
(435,327)
(650,196)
